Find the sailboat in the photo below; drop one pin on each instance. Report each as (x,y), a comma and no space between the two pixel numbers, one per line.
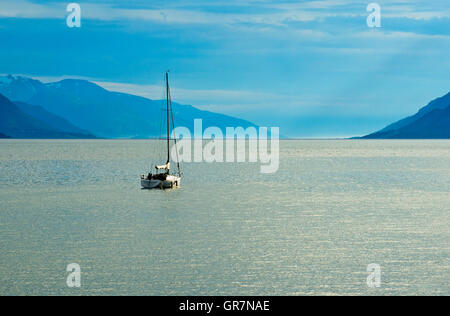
(164,179)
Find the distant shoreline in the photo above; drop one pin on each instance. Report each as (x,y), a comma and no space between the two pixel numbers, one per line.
(281,139)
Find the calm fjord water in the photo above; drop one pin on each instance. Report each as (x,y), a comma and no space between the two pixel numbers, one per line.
(312,228)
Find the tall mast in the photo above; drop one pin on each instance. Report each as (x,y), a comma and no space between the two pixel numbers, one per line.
(168,124)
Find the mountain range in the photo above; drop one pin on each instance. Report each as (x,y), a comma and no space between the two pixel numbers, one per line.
(431,122)
(82,107)
(18,124)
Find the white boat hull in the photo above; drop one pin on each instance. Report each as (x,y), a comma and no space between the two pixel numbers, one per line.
(169,183)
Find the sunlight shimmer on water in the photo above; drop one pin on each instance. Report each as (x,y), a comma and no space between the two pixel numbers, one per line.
(312,228)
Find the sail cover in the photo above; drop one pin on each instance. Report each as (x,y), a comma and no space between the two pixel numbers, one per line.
(164,167)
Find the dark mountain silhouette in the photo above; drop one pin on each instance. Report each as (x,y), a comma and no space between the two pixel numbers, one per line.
(17,124)
(431,122)
(50,119)
(105,113)
(434,125)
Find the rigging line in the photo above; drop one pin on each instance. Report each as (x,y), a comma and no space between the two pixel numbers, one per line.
(168,117)
(162,121)
(174,135)
(160,138)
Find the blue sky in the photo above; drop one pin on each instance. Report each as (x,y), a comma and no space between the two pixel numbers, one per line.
(313,68)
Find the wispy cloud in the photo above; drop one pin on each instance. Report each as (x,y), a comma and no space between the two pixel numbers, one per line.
(315,20)
(248,58)
(26,9)
(396,35)
(184,95)
(236,101)
(181,12)
(107,12)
